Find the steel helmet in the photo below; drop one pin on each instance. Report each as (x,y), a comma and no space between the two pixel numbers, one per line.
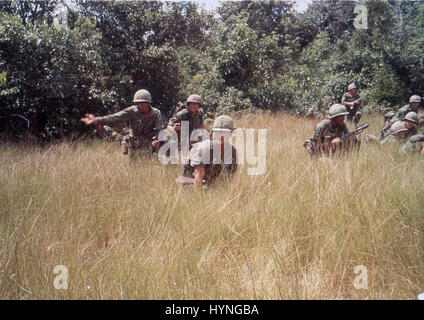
(142,96)
(223,124)
(398,126)
(194,98)
(415,98)
(351,86)
(337,110)
(412,116)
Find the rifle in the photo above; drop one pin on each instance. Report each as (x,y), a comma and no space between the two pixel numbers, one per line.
(178,106)
(316,149)
(358,130)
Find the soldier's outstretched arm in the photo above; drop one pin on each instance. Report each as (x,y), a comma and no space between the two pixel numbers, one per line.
(89,119)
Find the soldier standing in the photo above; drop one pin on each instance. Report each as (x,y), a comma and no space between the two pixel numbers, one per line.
(194,116)
(414,103)
(144,122)
(352,100)
(327,137)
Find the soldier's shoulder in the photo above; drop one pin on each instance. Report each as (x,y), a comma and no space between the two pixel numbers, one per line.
(404,108)
(323,123)
(156,111)
(182,113)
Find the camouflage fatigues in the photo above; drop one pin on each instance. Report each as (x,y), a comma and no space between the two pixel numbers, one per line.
(142,130)
(354,114)
(217,165)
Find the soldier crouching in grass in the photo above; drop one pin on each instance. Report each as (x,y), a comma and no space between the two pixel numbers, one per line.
(144,122)
(213,158)
(331,135)
(414,145)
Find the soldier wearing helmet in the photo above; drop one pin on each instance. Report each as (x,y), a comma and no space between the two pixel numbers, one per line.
(414,103)
(328,134)
(194,116)
(144,122)
(352,100)
(191,113)
(414,144)
(398,133)
(216,157)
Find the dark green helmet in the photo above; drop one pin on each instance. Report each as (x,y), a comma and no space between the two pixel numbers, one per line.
(337,110)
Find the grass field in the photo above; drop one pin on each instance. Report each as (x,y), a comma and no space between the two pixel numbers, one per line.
(127,231)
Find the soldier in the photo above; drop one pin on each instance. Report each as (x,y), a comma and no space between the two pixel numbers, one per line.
(216,157)
(415,144)
(194,116)
(103,132)
(414,103)
(351,100)
(327,137)
(398,133)
(144,122)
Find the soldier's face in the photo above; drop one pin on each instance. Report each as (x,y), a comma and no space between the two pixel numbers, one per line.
(221,137)
(143,107)
(339,119)
(414,105)
(401,134)
(409,124)
(352,91)
(194,108)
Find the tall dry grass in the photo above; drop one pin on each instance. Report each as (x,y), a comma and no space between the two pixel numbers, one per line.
(125,230)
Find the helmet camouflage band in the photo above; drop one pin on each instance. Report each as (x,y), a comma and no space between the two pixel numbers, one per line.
(223,124)
(194,98)
(142,96)
(398,126)
(337,110)
(351,86)
(412,116)
(415,98)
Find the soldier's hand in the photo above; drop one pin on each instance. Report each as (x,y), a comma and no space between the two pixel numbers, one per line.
(155,144)
(114,134)
(177,126)
(336,142)
(89,119)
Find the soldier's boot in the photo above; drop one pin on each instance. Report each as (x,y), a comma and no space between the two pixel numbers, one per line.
(356,119)
(124,148)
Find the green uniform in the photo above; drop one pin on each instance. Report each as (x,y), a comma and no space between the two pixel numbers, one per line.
(104,133)
(195,122)
(216,165)
(399,115)
(392,139)
(142,129)
(414,144)
(324,133)
(411,132)
(354,114)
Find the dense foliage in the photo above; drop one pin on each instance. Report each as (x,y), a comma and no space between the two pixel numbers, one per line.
(247,55)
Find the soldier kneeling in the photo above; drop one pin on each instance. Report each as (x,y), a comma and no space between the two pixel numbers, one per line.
(331,134)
